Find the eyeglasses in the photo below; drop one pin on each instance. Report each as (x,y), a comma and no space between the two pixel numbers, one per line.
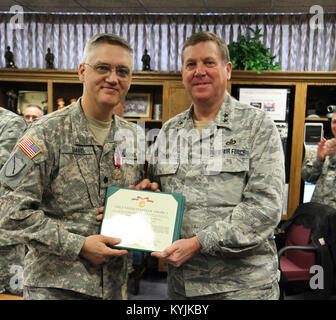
(122,72)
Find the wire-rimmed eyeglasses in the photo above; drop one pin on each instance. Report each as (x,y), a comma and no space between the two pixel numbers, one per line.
(122,72)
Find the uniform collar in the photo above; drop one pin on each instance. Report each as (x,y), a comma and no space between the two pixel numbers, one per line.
(222,119)
(81,133)
(225,113)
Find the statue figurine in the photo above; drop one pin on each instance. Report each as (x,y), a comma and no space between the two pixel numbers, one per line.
(9,56)
(12,100)
(49,58)
(145,61)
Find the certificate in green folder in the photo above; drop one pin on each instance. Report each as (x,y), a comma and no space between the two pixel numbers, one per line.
(143,220)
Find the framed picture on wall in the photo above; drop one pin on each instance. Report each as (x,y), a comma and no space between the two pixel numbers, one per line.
(26,98)
(272,100)
(138,105)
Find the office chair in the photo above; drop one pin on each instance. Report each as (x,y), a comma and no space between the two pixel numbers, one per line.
(300,254)
(309,242)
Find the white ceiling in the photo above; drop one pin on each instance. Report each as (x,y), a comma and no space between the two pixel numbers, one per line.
(169,6)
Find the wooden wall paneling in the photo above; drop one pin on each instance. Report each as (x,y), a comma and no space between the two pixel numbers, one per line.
(176,99)
(297,147)
(50,97)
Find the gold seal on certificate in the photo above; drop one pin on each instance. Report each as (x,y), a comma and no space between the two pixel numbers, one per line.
(143,220)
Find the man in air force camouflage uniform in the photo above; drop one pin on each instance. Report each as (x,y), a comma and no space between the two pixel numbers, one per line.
(322,169)
(54,184)
(233,195)
(12,127)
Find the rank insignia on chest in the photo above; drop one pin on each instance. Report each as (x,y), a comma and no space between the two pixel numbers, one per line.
(30,147)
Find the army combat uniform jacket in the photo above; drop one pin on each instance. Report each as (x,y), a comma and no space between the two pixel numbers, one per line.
(12,126)
(232,175)
(52,187)
(324,175)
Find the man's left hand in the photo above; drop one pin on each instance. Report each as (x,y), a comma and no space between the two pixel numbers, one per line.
(179,252)
(145,184)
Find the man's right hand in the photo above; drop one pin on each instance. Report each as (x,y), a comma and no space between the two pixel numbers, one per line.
(326,148)
(330,147)
(321,150)
(95,249)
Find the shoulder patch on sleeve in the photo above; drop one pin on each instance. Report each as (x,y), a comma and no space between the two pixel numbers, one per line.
(30,147)
(15,169)
(14,166)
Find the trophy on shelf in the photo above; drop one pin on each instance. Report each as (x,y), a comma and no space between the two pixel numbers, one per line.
(9,56)
(49,58)
(145,61)
(60,103)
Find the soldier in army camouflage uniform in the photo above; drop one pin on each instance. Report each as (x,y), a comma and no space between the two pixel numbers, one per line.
(12,127)
(322,169)
(228,162)
(54,184)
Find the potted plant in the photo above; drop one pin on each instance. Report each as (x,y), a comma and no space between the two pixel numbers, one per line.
(249,53)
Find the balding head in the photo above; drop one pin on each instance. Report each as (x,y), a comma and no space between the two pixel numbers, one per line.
(31,113)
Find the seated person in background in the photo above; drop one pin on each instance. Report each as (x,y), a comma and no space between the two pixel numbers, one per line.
(32,112)
(322,169)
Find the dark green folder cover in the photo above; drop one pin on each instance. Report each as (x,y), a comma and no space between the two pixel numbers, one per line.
(178,217)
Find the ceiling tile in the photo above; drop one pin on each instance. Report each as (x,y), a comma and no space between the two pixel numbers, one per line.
(170,6)
(109,3)
(238,4)
(51,4)
(177,10)
(174,3)
(303,5)
(6,5)
(240,10)
(116,10)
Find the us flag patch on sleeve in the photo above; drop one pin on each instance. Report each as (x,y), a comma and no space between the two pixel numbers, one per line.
(30,147)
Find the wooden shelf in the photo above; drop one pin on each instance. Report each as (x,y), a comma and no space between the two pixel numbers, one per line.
(316,119)
(65,83)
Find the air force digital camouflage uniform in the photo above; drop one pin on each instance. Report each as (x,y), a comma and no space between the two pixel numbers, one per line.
(51,201)
(324,175)
(233,201)
(12,127)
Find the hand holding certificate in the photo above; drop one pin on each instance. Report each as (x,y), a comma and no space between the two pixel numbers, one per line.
(143,220)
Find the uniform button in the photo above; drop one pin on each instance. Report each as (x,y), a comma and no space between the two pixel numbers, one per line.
(105,180)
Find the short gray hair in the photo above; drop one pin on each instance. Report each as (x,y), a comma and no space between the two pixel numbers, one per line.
(33,106)
(107,38)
